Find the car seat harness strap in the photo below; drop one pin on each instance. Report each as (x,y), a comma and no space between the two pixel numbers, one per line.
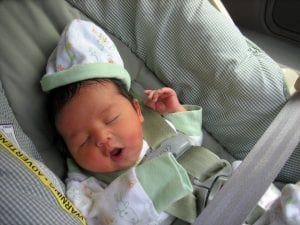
(207,171)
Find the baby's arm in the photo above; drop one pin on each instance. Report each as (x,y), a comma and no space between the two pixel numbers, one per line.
(187,119)
(163,101)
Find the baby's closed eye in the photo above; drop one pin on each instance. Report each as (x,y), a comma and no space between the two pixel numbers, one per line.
(111,119)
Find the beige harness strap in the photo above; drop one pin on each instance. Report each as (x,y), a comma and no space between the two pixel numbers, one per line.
(204,167)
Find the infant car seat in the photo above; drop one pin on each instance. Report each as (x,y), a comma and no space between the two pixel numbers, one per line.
(192,46)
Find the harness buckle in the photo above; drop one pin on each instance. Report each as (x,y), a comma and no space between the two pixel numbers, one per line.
(176,144)
(206,191)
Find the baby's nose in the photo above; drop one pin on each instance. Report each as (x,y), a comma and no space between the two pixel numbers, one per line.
(103,142)
(102,135)
(104,148)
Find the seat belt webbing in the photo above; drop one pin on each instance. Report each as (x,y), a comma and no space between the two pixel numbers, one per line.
(202,164)
(154,129)
(240,194)
(199,162)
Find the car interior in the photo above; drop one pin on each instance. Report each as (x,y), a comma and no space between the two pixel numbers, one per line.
(273,25)
(238,60)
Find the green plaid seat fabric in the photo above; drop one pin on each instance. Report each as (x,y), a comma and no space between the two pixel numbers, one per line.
(23,198)
(193,48)
(187,44)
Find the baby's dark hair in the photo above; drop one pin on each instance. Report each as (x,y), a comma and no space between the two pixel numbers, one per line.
(59,97)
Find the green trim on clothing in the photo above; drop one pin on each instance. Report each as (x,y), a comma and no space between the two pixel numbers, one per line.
(164,173)
(188,122)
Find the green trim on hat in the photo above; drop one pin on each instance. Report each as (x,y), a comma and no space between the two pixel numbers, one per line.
(84,72)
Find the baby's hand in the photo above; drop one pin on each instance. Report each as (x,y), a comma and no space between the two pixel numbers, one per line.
(163,101)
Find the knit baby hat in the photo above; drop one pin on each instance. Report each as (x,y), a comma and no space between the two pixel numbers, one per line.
(84,51)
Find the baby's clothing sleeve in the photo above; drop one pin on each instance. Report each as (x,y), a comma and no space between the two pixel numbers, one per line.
(188,123)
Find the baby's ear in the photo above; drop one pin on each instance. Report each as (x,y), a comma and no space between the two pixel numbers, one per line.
(138,110)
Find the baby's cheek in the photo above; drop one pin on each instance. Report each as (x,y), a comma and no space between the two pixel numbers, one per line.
(89,160)
(136,138)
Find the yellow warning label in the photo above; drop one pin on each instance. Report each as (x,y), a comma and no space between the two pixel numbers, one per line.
(63,201)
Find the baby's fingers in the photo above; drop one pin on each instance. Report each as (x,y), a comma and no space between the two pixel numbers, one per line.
(166,92)
(148,93)
(152,95)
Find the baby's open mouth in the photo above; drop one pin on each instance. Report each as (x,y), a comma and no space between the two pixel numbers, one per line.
(116,153)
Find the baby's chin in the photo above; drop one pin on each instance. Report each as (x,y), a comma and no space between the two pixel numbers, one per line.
(129,163)
(122,166)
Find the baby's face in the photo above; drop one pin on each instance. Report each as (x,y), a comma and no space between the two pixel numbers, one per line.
(101,128)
